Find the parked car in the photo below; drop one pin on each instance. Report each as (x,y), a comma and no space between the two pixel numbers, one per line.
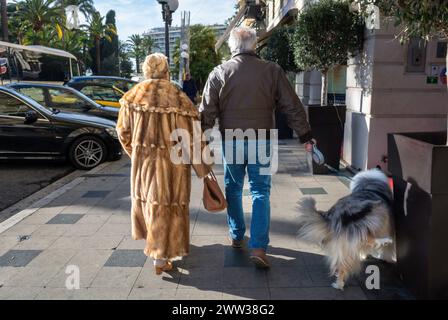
(29,130)
(64,99)
(106,91)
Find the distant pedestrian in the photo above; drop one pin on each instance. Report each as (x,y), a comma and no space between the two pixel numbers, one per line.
(189,87)
(243,94)
(160,189)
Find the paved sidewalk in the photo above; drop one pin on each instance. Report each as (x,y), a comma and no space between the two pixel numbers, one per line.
(88,226)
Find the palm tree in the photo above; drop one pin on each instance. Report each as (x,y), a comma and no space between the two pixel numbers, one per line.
(136,43)
(148,44)
(39,13)
(4,15)
(97,29)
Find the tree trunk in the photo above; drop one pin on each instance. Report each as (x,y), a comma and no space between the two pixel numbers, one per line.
(4,16)
(137,65)
(324,92)
(98,55)
(447,88)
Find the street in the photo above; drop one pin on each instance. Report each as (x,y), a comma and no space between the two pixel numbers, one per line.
(23,178)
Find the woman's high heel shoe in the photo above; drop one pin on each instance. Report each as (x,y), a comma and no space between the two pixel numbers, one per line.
(167,267)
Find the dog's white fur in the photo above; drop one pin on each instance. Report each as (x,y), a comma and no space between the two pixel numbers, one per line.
(369,231)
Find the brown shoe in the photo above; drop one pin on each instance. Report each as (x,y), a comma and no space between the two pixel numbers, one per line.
(168,266)
(236,244)
(259,258)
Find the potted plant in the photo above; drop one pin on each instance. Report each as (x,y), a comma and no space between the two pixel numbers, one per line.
(325,34)
(418,163)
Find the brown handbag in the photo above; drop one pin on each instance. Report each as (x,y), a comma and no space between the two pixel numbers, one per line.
(213,198)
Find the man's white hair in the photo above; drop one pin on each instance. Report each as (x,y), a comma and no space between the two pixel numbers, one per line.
(242,39)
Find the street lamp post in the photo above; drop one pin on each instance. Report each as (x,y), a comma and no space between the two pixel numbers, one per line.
(168,8)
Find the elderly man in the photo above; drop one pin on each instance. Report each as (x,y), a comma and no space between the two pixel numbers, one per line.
(243,94)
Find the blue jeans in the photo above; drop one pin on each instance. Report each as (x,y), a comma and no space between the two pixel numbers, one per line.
(240,156)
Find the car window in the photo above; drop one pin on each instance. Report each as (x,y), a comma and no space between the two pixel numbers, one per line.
(37,94)
(125,85)
(101,93)
(11,106)
(65,100)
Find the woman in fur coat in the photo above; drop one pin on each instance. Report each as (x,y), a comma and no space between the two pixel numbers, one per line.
(160,189)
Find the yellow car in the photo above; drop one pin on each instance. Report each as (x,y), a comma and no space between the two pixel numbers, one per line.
(106,91)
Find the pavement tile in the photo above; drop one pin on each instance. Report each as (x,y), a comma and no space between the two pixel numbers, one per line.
(198,294)
(89,258)
(36,243)
(18,258)
(110,229)
(131,244)
(126,258)
(65,242)
(20,230)
(39,218)
(148,278)
(93,219)
(289,277)
(152,294)
(23,293)
(101,294)
(120,219)
(237,258)
(203,278)
(6,273)
(102,242)
(116,277)
(86,276)
(246,294)
(53,257)
(7,242)
(83,230)
(28,277)
(51,230)
(244,278)
(317,293)
(313,191)
(95,194)
(65,219)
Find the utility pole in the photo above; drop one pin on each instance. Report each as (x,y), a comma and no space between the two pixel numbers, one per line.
(184,45)
(168,8)
(4,16)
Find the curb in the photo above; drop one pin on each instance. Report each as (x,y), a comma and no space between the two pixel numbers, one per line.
(36,201)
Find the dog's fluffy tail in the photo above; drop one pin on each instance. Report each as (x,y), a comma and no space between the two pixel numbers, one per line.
(313,227)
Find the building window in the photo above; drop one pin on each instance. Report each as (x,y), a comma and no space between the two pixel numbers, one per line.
(416,60)
(441,50)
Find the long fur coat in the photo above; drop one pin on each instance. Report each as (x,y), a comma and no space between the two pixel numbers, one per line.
(160,190)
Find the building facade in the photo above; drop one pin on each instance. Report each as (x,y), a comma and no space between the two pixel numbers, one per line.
(387,88)
(158,35)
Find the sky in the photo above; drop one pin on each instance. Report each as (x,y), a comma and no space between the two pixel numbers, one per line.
(138,16)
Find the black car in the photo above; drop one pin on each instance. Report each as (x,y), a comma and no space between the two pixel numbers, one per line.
(29,130)
(64,99)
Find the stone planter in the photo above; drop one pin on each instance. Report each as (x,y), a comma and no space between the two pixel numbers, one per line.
(419,165)
(327,124)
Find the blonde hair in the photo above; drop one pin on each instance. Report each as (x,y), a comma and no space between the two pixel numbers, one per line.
(156,67)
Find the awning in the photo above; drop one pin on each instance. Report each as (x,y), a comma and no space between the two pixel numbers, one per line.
(40,49)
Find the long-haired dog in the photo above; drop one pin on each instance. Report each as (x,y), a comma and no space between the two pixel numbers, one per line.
(358,225)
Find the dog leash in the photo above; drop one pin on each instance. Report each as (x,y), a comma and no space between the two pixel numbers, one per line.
(319,159)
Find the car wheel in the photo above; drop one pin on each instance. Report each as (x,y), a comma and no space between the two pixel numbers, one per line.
(87,152)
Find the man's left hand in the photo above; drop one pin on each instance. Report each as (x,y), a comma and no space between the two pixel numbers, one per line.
(309,145)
